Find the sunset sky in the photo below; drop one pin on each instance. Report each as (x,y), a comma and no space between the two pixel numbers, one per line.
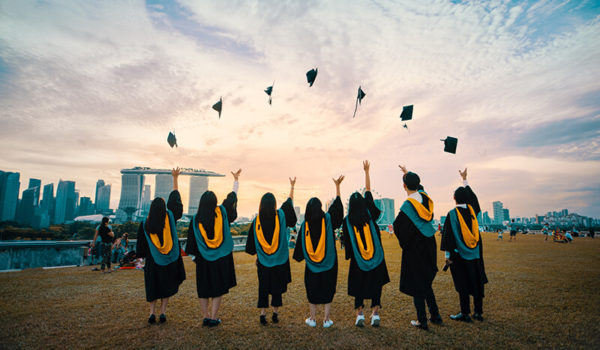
(91,87)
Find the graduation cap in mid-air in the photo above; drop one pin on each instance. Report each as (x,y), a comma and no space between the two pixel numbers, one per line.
(269,91)
(218,106)
(172,140)
(407,112)
(361,95)
(311,75)
(450,144)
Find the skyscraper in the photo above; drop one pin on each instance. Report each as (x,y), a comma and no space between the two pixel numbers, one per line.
(46,207)
(65,202)
(99,184)
(9,195)
(498,212)
(131,195)
(85,206)
(486,218)
(387,207)
(27,206)
(103,199)
(506,214)
(198,185)
(146,199)
(164,186)
(36,183)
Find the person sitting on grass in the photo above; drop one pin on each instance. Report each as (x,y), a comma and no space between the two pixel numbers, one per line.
(120,248)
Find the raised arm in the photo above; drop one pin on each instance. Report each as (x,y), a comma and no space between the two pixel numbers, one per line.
(366,166)
(337,185)
(403,168)
(175,174)
(292,184)
(236,176)
(472,200)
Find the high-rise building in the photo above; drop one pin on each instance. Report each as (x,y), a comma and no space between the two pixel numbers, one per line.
(26,211)
(99,184)
(387,207)
(9,195)
(36,183)
(506,214)
(498,212)
(146,199)
(132,186)
(198,185)
(64,209)
(103,199)
(85,206)
(164,186)
(47,203)
(486,218)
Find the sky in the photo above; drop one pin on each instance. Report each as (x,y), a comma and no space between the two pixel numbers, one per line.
(91,87)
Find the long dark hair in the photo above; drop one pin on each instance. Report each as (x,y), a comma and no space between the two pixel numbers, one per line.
(267,210)
(206,211)
(156,217)
(358,213)
(313,213)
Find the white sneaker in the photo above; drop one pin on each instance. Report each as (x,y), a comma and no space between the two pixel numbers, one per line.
(360,321)
(311,323)
(375,320)
(327,324)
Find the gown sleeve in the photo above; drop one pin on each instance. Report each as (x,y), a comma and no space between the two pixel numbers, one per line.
(447,243)
(336,211)
(191,248)
(298,253)
(230,204)
(472,200)
(250,244)
(141,247)
(290,213)
(373,210)
(175,205)
(402,230)
(349,253)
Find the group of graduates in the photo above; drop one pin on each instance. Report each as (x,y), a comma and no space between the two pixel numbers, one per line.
(211,245)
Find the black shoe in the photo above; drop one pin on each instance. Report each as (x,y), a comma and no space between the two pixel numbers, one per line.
(205,322)
(274,318)
(263,320)
(478,317)
(419,325)
(460,317)
(436,320)
(152,319)
(162,318)
(214,323)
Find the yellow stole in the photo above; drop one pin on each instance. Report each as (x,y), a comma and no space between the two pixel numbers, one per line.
(318,255)
(167,245)
(266,247)
(368,251)
(218,237)
(470,236)
(424,214)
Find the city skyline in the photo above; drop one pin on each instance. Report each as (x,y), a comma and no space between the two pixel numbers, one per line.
(89,88)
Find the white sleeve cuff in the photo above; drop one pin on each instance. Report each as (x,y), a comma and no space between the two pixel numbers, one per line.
(466,183)
(447,255)
(236,186)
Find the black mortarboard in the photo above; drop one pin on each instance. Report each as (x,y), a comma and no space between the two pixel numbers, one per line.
(218,106)
(311,75)
(269,91)
(450,144)
(172,140)
(361,95)
(406,113)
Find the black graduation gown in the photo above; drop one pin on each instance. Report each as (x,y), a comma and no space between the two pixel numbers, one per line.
(364,284)
(161,281)
(419,259)
(273,279)
(213,278)
(321,287)
(468,275)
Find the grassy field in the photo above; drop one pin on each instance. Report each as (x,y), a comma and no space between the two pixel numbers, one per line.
(540,295)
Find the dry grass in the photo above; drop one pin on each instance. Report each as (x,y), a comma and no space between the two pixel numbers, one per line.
(540,295)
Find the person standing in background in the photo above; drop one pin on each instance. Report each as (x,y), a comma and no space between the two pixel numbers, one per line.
(105,232)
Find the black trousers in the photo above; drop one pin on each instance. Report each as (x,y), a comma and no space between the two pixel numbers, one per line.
(263,299)
(465,305)
(375,301)
(431,304)
(106,249)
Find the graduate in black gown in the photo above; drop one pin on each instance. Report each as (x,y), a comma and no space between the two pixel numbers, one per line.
(315,245)
(415,233)
(461,241)
(268,238)
(361,236)
(157,241)
(210,242)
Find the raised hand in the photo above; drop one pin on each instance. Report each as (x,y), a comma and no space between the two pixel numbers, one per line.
(293,181)
(403,168)
(236,175)
(366,165)
(339,180)
(463,174)
(175,172)
(292,184)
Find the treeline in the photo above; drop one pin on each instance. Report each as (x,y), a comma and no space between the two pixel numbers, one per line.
(10,230)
